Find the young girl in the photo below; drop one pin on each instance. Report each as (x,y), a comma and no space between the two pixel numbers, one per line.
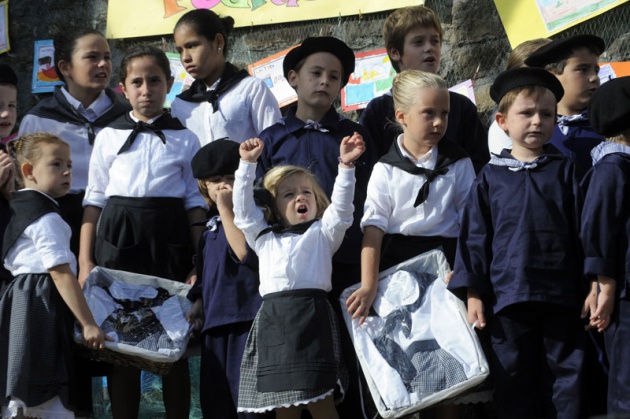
(225,296)
(143,195)
(78,110)
(292,356)
(36,309)
(605,232)
(223,101)
(417,190)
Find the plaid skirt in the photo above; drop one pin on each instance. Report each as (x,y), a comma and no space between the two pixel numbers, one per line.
(252,400)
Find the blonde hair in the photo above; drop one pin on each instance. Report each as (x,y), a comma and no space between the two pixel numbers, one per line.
(406,85)
(27,149)
(279,174)
(401,22)
(533,91)
(622,138)
(517,57)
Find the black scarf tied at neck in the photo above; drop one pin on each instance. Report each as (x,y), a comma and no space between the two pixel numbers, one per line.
(448,153)
(198,92)
(280,229)
(166,121)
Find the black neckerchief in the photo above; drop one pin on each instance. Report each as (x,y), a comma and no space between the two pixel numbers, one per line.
(198,91)
(448,153)
(280,229)
(59,109)
(26,207)
(165,121)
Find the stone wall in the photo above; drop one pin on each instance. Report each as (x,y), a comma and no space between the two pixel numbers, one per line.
(473,38)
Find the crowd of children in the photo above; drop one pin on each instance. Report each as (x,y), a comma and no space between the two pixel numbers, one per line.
(538,236)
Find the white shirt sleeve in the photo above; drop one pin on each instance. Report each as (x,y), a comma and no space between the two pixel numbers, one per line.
(264,108)
(48,235)
(378,205)
(98,174)
(338,216)
(247,216)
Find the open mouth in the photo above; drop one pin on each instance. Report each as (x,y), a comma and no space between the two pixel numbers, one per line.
(302,209)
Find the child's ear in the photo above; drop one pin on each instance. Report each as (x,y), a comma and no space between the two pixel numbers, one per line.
(63,67)
(169,84)
(220,41)
(27,171)
(394,54)
(400,117)
(122,87)
(292,78)
(500,118)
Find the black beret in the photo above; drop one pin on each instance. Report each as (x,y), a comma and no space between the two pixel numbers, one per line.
(220,157)
(559,49)
(525,76)
(314,44)
(609,108)
(7,75)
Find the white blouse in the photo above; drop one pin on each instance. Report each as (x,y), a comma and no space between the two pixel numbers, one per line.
(294,261)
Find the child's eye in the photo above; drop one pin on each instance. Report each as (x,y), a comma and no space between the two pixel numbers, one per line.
(69,166)
(12,105)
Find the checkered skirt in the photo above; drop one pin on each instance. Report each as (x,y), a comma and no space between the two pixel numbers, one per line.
(252,400)
(35,349)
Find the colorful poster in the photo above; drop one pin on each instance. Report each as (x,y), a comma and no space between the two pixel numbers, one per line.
(270,70)
(372,77)
(182,81)
(44,75)
(529,19)
(609,71)
(159,16)
(4,26)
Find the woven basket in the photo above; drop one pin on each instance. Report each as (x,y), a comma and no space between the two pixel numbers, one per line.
(126,355)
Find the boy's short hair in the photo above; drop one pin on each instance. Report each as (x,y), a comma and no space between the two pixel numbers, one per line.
(516,80)
(609,108)
(402,21)
(8,76)
(553,56)
(311,45)
(523,50)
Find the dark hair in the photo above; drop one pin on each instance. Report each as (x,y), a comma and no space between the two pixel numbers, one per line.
(65,42)
(140,51)
(208,24)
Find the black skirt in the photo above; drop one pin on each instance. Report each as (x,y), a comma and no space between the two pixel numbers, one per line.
(35,349)
(149,236)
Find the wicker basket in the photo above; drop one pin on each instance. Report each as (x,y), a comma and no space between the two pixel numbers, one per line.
(127,355)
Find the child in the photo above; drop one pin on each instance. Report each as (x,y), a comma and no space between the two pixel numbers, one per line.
(518,257)
(309,136)
(226,295)
(143,195)
(293,357)
(606,231)
(37,308)
(575,62)
(413,39)
(8,116)
(77,111)
(497,138)
(223,101)
(417,190)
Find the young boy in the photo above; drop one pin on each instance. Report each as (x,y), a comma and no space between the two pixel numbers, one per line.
(309,136)
(518,256)
(606,231)
(225,296)
(413,39)
(575,62)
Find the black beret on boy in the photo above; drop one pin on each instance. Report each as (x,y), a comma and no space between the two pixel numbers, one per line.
(525,76)
(312,45)
(559,49)
(220,157)
(7,75)
(609,108)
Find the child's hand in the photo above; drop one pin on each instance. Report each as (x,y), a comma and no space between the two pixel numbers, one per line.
(360,301)
(600,319)
(194,316)
(95,337)
(590,304)
(7,175)
(224,198)
(475,310)
(351,148)
(251,149)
